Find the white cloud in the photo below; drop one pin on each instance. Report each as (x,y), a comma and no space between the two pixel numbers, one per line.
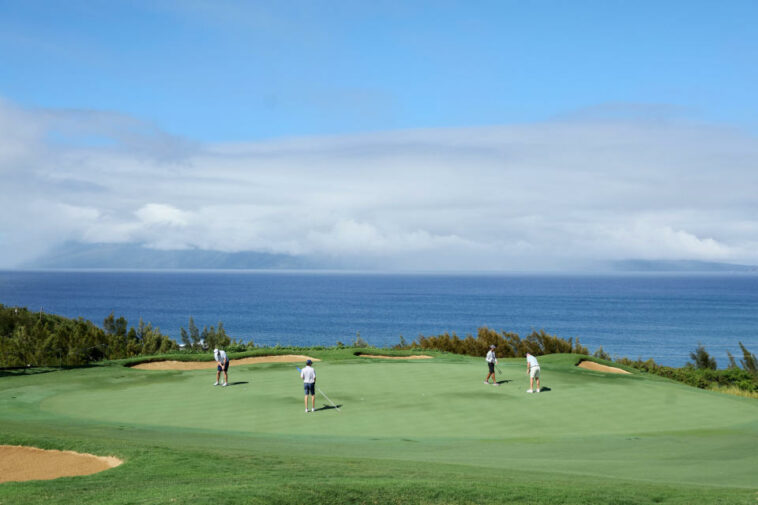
(534,196)
(160,214)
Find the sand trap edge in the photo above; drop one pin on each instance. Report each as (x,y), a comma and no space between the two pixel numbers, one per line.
(597,367)
(20,463)
(211,365)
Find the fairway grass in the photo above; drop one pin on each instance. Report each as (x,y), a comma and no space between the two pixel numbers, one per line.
(422,431)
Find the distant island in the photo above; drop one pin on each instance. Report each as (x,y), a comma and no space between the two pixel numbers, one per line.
(679,266)
(77,255)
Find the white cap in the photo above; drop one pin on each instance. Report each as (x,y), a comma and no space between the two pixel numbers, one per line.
(215,351)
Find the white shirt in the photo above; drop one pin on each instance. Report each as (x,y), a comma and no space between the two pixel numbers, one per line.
(491,357)
(532,361)
(220,356)
(308,375)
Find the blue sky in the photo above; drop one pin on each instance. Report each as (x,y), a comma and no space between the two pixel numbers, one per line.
(219,71)
(508,135)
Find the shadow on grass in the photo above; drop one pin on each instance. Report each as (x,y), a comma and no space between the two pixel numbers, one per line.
(328,407)
(544,390)
(22,370)
(238,383)
(504,381)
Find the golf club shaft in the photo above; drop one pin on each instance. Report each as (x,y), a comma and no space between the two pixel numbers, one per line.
(327,399)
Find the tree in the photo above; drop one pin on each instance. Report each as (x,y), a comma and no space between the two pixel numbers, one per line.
(702,360)
(732,362)
(210,337)
(185,338)
(601,354)
(194,334)
(359,342)
(748,361)
(222,339)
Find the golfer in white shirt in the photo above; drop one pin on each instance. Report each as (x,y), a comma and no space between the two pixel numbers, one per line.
(223,365)
(308,374)
(491,362)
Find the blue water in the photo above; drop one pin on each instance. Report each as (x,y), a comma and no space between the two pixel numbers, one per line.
(650,316)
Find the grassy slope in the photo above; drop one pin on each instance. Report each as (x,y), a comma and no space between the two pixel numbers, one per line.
(408,432)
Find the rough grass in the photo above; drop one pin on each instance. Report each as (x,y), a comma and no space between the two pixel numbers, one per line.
(734,390)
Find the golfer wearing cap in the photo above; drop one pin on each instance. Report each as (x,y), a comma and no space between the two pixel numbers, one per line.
(491,362)
(533,369)
(308,374)
(223,365)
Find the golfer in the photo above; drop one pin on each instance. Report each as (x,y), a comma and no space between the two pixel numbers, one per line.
(533,370)
(223,365)
(491,362)
(308,374)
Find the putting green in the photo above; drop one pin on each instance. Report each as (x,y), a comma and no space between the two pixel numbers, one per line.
(589,423)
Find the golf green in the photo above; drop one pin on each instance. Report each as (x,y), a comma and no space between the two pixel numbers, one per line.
(434,412)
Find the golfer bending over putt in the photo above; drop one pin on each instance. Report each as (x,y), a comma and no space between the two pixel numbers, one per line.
(491,362)
(223,365)
(308,374)
(533,369)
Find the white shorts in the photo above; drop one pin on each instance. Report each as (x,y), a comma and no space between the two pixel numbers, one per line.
(534,372)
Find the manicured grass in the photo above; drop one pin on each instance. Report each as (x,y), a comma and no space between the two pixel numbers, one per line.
(424,431)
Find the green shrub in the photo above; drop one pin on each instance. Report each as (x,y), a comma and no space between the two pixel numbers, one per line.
(509,345)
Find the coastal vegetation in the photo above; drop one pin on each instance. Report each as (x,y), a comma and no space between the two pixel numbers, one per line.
(39,339)
(509,345)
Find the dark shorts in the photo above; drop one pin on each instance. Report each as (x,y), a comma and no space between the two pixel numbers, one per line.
(225,368)
(492,367)
(310,389)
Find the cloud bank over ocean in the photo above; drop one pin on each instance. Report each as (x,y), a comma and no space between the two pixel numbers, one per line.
(560,194)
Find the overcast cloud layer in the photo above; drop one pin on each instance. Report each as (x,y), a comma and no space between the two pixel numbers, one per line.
(553,195)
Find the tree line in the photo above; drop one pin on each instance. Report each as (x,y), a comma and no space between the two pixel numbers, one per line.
(509,345)
(40,339)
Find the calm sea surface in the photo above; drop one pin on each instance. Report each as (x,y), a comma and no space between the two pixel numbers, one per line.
(649,316)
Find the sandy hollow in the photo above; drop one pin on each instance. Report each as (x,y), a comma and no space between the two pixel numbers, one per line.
(597,367)
(379,356)
(207,365)
(18,463)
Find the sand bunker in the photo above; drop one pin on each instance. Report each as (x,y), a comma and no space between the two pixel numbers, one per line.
(597,367)
(18,463)
(207,365)
(379,356)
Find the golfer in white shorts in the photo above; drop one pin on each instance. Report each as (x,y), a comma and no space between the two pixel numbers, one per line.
(222,362)
(533,369)
(308,374)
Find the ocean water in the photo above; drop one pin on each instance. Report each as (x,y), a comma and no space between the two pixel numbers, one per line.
(657,316)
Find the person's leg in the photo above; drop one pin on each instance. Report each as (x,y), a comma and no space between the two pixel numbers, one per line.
(313,403)
(537,376)
(218,375)
(226,378)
